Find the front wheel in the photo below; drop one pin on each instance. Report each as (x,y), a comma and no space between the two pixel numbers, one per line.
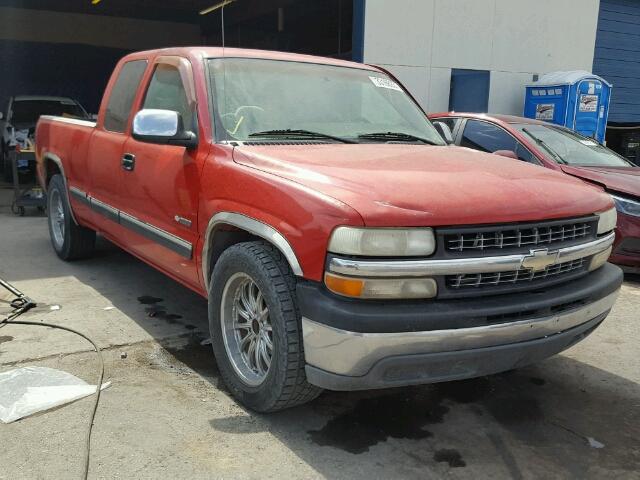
(70,241)
(255,327)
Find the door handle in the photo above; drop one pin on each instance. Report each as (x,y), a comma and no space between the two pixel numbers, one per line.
(128,161)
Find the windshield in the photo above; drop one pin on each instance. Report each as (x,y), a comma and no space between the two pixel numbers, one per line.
(251,96)
(25,113)
(572,148)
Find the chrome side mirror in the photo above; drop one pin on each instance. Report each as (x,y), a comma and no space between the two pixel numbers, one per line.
(164,127)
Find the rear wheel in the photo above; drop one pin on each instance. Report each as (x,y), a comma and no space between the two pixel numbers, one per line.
(70,241)
(255,328)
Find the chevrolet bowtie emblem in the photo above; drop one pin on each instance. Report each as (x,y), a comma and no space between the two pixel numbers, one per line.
(538,260)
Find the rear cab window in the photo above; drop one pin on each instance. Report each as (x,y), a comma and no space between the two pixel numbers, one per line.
(122,96)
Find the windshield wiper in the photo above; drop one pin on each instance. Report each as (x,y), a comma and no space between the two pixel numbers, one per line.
(306,134)
(396,136)
(546,146)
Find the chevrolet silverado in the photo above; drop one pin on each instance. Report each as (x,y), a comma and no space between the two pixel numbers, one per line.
(341,244)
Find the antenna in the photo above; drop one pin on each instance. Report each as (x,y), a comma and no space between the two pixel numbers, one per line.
(222,22)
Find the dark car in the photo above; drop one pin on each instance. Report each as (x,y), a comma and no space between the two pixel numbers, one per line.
(19,123)
(561,149)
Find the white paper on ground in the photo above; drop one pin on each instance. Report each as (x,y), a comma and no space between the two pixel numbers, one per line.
(28,390)
(594,443)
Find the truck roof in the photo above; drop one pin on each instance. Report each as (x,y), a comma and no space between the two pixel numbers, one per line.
(219,52)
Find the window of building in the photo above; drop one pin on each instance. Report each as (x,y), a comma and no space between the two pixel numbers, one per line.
(122,95)
(469,91)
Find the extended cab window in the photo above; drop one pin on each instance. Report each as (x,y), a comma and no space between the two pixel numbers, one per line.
(122,96)
(490,138)
(166,92)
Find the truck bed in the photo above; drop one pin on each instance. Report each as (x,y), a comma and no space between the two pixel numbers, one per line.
(67,140)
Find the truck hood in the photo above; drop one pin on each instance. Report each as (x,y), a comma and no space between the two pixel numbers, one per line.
(619,179)
(413,185)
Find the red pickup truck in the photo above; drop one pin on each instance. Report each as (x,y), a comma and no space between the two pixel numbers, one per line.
(340,243)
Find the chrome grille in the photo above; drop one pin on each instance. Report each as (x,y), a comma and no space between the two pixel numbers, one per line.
(512,277)
(514,237)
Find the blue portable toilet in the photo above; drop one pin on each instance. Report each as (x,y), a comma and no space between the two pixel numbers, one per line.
(578,100)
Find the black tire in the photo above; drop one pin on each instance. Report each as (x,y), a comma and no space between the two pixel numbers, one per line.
(285,384)
(76,241)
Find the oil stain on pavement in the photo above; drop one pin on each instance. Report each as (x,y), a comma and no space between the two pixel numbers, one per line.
(196,356)
(374,420)
(450,456)
(407,414)
(155,310)
(149,300)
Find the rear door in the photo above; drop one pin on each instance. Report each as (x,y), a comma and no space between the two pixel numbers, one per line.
(161,182)
(105,149)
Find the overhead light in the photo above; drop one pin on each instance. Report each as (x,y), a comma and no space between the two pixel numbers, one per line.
(215,7)
(95,2)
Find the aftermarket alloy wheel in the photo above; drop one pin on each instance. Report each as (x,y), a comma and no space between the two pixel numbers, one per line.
(69,240)
(255,328)
(56,218)
(246,329)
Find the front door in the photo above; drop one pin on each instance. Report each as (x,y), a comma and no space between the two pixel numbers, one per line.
(161,182)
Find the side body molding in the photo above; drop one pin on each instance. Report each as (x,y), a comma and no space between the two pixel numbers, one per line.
(254,227)
(55,159)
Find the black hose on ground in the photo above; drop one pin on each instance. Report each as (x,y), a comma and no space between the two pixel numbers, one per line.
(21,304)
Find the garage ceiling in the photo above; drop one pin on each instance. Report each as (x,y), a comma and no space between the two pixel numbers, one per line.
(175,10)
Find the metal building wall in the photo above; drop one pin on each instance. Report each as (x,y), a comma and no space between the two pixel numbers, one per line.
(617,57)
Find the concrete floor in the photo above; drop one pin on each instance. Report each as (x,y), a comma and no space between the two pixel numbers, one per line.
(167,415)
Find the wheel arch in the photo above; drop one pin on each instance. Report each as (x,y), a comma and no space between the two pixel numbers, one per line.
(244,228)
(51,165)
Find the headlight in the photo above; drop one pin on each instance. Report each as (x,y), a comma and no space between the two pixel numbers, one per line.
(627,206)
(607,221)
(383,242)
(381,288)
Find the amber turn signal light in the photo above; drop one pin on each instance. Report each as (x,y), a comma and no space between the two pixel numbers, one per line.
(349,287)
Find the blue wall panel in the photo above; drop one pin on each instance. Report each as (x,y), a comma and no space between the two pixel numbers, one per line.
(357,34)
(617,57)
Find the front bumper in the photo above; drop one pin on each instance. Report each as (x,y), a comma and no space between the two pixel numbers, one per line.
(354,345)
(626,250)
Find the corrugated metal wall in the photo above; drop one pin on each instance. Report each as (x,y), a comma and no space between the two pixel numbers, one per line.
(617,57)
